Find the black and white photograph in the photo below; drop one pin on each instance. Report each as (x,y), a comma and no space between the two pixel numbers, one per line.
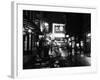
(53,39)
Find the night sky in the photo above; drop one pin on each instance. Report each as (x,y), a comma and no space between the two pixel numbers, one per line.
(76,23)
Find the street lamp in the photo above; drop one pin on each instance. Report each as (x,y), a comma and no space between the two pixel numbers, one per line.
(29,31)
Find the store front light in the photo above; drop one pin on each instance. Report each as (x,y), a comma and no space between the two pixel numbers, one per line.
(69,39)
(46,24)
(89,34)
(77,44)
(67,36)
(70,43)
(40,36)
(61,28)
(29,31)
(81,43)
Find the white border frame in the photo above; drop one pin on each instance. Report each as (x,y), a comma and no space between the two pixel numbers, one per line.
(17,25)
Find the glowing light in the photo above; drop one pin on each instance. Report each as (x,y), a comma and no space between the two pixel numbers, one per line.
(81,43)
(70,44)
(41,28)
(88,35)
(40,36)
(37,43)
(29,31)
(67,36)
(69,39)
(59,35)
(77,44)
(61,28)
(46,24)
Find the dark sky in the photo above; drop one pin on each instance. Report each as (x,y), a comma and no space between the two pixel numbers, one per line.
(76,23)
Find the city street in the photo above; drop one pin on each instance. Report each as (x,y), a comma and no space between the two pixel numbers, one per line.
(56,62)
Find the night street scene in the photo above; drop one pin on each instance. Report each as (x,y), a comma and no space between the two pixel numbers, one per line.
(56,39)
